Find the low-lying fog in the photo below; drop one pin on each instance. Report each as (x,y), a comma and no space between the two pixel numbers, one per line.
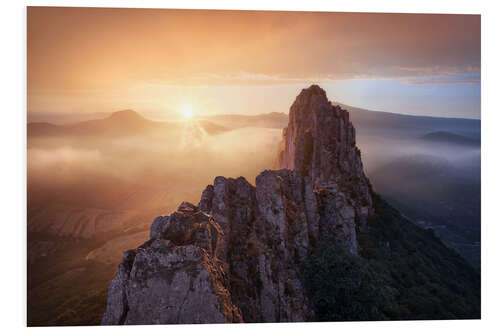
(137,170)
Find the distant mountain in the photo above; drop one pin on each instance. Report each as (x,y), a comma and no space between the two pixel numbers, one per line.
(443,137)
(380,123)
(42,129)
(120,123)
(64,118)
(266,120)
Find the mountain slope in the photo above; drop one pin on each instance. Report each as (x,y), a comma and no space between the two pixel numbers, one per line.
(312,242)
(403,272)
(368,121)
(444,137)
(120,123)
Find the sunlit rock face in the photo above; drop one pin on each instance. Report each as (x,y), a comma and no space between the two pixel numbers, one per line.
(236,256)
(320,143)
(264,243)
(175,277)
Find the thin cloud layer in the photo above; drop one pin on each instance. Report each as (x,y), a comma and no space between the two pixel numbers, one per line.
(84,48)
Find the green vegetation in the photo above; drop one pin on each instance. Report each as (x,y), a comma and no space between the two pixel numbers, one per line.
(77,297)
(403,272)
(65,289)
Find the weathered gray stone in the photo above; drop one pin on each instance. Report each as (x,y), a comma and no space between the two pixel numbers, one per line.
(175,277)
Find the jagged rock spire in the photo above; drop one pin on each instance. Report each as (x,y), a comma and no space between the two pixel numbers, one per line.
(319,140)
(320,143)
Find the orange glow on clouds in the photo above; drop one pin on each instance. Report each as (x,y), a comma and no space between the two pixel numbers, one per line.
(105,59)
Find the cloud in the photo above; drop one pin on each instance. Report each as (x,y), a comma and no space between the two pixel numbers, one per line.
(453,78)
(85,48)
(237,78)
(156,60)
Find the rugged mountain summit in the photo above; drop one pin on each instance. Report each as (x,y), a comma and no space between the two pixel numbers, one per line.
(320,143)
(235,257)
(239,255)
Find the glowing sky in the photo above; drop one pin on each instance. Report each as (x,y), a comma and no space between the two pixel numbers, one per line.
(161,61)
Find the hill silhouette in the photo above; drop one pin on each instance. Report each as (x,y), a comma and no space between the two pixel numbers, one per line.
(450,138)
(119,123)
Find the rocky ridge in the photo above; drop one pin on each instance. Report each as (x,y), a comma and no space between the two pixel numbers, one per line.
(236,256)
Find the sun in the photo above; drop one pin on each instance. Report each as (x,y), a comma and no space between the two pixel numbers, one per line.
(187,112)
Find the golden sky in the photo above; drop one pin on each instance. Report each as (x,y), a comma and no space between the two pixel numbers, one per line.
(98,59)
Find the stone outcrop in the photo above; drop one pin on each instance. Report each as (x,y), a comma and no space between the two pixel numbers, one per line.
(320,143)
(236,256)
(175,277)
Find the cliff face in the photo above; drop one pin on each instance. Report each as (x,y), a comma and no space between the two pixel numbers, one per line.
(175,277)
(236,256)
(320,143)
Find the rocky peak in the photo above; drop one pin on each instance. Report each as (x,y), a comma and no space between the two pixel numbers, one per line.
(126,115)
(320,143)
(319,140)
(239,251)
